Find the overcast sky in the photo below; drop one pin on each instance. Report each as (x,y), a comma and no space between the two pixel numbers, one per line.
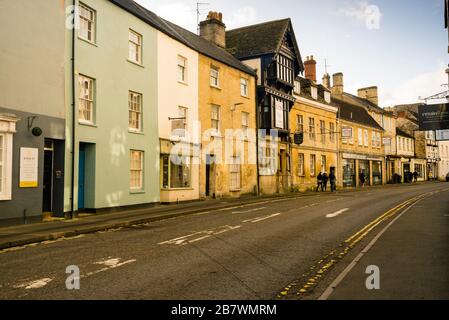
(398,45)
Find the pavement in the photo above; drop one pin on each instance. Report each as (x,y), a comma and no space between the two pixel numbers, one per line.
(265,249)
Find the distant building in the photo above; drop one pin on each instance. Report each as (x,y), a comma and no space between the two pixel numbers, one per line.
(361,149)
(426,146)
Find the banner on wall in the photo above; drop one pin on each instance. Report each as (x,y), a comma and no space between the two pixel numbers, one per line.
(29,167)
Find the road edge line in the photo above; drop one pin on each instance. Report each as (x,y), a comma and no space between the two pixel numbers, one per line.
(330,289)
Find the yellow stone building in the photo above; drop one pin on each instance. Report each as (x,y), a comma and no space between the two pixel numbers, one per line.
(228,125)
(360,149)
(315,117)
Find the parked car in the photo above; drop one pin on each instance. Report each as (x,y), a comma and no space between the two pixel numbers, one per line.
(447,177)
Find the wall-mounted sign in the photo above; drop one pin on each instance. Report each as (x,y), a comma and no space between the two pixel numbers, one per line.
(433,117)
(442,135)
(279,106)
(29,167)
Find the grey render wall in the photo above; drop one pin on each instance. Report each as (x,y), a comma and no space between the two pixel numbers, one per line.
(30,199)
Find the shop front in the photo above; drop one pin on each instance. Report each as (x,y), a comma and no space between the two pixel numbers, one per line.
(360,169)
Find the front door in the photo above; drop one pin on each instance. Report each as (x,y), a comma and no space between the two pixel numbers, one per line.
(48,177)
(210,175)
(81,176)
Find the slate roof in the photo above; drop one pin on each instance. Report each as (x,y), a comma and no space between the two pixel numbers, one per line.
(354,113)
(365,103)
(182,35)
(399,132)
(256,40)
(260,39)
(306,91)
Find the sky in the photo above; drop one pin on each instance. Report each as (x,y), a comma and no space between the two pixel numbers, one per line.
(398,45)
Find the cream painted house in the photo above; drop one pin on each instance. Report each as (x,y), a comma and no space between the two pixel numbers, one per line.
(178,119)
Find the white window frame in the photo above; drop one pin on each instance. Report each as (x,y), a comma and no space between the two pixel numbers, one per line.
(135,47)
(6,166)
(245,124)
(360,136)
(135,108)
(244,87)
(299,123)
(235,174)
(86,102)
(138,170)
(301,166)
(215,77)
(87,24)
(268,158)
(312,165)
(182,69)
(365,138)
(215,118)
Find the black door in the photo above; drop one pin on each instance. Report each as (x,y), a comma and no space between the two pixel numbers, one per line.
(48,177)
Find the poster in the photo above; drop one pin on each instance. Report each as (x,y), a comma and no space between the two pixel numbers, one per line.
(29,167)
(279,106)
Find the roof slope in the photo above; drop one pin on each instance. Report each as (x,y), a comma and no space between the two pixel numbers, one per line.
(256,40)
(353,113)
(184,36)
(210,49)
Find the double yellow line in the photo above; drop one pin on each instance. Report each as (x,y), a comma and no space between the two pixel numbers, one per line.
(332,258)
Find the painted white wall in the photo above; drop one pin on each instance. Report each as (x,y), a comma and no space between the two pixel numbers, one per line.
(171,93)
(443,164)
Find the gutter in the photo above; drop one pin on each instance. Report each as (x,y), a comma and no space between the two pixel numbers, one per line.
(72,187)
(257,134)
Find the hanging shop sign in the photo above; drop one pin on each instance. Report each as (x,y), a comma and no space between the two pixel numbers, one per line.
(433,117)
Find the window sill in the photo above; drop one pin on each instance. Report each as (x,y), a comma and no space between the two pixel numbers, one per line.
(184,83)
(246,97)
(136,132)
(177,189)
(138,191)
(235,190)
(87,124)
(135,63)
(88,42)
(215,87)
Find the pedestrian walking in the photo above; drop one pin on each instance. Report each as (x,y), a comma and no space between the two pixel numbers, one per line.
(332,180)
(325,180)
(362,178)
(415,176)
(319,179)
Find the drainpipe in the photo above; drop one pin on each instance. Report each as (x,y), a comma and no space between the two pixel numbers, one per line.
(72,188)
(257,135)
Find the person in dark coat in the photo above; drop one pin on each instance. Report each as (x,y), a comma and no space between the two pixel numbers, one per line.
(319,179)
(415,176)
(362,178)
(332,180)
(325,180)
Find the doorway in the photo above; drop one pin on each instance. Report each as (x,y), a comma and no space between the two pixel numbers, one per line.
(81,176)
(210,175)
(47,203)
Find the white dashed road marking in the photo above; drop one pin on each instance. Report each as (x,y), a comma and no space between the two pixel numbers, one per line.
(336,213)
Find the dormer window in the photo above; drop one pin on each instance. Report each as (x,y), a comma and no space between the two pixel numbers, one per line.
(327,97)
(297,87)
(314,93)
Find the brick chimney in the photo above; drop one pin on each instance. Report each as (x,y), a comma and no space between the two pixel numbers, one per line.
(369,93)
(213,29)
(327,80)
(337,84)
(310,68)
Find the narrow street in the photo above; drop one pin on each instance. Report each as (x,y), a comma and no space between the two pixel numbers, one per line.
(268,250)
